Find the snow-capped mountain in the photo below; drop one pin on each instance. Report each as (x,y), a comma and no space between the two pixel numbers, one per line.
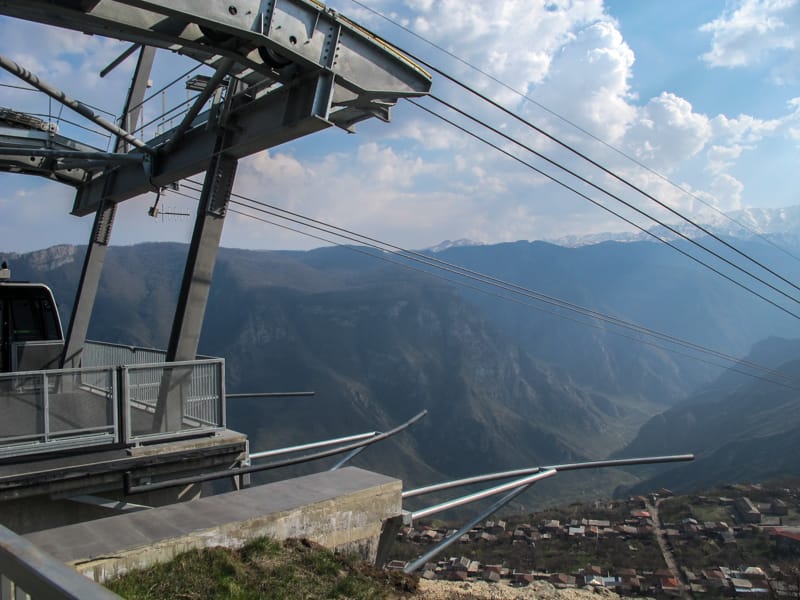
(774,223)
(447,244)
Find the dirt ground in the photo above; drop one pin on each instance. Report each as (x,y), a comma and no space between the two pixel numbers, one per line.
(479,590)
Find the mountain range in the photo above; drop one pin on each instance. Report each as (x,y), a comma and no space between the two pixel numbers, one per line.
(781,225)
(740,429)
(507,384)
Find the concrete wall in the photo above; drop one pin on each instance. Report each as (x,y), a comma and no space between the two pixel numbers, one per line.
(344,510)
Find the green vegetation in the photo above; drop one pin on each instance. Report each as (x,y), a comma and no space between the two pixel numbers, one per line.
(266,570)
(712,513)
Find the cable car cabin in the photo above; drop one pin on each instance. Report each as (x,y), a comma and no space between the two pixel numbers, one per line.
(32,338)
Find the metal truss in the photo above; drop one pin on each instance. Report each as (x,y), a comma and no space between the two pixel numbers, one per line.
(301,66)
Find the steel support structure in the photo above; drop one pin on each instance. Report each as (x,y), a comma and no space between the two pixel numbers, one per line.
(103,222)
(196,284)
(521,485)
(524,478)
(82,109)
(292,67)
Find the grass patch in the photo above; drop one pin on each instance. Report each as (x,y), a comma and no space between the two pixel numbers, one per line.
(263,569)
(713,513)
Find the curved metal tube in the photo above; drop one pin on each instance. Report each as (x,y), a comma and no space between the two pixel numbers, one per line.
(136,489)
(530,470)
(520,486)
(313,445)
(469,498)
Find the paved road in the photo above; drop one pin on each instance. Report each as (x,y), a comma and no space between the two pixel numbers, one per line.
(666,551)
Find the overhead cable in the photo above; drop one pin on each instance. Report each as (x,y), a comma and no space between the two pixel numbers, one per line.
(583,130)
(604,169)
(606,208)
(786,378)
(474,275)
(535,295)
(615,197)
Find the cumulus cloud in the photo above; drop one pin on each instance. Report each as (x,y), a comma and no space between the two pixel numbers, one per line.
(752,30)
(726,191)
(589,80)
(721,158)
(514,41)
(667,131)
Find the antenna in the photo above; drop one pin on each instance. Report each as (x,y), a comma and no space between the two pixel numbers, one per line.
(154,211)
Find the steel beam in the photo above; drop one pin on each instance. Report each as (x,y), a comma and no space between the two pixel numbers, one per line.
(119,60)
(203,249)
(470,498)
(304,33)
(194,110)
(283,115)
(268,40)
(313,445)
(103,222)
(620,462)
(106,157)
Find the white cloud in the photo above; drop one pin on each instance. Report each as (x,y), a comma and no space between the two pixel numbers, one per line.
(588,80)
(667,131)
(745,129)
(724,192)
(721,158)
(753,30)
(513,40)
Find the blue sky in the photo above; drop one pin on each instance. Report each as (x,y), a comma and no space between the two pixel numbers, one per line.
(701,91)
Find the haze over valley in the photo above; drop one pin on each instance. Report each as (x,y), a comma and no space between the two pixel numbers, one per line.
(508,384)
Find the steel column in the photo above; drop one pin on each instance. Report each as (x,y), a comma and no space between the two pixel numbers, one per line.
(193,297)
(202,256)
(103,222)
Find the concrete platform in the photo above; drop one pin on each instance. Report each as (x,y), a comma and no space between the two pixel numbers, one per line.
(344,509)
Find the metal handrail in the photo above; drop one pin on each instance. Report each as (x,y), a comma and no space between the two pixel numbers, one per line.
(203,410)
(28,572)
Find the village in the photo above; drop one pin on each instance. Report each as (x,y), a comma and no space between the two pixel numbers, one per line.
(743,540)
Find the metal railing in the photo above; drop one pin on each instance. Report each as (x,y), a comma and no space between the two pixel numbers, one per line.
(165,399)
(104,354)
(27,572)
(120,395)
(57,409)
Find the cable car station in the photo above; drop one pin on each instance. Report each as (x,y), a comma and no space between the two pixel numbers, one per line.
(84,420)
(91,429)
